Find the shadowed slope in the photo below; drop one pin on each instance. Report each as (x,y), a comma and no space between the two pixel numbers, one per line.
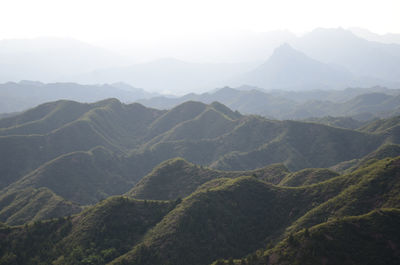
(177,178)
(23,206)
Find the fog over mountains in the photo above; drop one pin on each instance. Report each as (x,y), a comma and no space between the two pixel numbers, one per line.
(23,95)
(339,57)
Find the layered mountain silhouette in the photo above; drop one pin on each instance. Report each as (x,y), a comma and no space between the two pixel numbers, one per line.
(17,97)
(169,75)
(362,57)
(279,170)
(339,59)
(288,68)
(68,147)
(243,189)
(57,57)
(360,104)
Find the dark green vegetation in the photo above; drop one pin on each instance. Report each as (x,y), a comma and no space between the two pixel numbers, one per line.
(177,178)
(240,218)
(372,238)
(26,205)
(87,152)
(245,189)
(307,176)
(95,236)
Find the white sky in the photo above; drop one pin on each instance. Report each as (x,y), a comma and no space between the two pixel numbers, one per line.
(152,20)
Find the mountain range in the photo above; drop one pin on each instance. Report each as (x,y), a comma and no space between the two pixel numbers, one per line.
(114,183)
(16,97)
(49,59)
(361,57)
(289,69)
(361,104)
(291,159)
(67,146)
(340,57)
(244,220)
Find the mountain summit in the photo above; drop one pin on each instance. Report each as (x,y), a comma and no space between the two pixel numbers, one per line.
(290,68)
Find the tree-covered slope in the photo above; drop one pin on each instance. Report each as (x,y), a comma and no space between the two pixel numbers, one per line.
(28,205)
(307,177)
(95,236)
(384,151)
(50,130)
(372,238)
(81,177)
(224,218)
(177,178)
(304,145)
(54,146)
(372,186)
(232,218)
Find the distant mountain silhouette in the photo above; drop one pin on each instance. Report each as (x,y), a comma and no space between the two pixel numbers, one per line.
(361,104)
(20,96)
(389,38)
(362,57)
(288,68)
(169,75)
(49,59)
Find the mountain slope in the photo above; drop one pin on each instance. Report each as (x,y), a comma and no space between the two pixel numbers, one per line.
(360,103)
(307,177)
(366,239)
(231,219)
(29,205)
(302,145)
(288,68)
(375,186)
(81,177)
(361,57)
(105,148)
(223,218)
(177,178)
(95,236)
(27,94)
(66,127)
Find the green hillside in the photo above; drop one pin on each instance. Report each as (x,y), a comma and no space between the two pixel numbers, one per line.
(44,118)
(304,145)
(87,152)
(29,205)
(381,125)
(95,236)
(384,151)
(366,239)
(307,176)
(228,220)
(239,218)
(81,177)
(177,178)
(370,187)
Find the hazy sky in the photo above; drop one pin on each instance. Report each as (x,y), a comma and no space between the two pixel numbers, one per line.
(153,20)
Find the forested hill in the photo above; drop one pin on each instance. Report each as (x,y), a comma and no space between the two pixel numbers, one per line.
(68,146)
(239,220)
(117,183)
